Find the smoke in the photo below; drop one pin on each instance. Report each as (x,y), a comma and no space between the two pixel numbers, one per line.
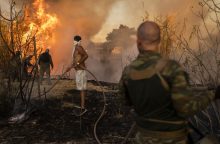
(93,20)
(84,18)
(132,13)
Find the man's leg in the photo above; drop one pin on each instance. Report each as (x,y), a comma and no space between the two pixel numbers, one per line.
(81,86)
(82,95)
(84,87)
(48,75)
(41,74)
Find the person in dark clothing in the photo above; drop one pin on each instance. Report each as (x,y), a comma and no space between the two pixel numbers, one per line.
(45,61)
(158,90)
(26,65)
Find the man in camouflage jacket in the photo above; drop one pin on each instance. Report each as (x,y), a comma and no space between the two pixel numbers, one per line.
(158,90)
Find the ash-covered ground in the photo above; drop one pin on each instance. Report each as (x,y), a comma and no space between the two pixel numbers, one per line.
(52,119)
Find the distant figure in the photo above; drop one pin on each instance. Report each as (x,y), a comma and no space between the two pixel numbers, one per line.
(79,57)
(158,90)
(45,61)
(26,65)
(15,66)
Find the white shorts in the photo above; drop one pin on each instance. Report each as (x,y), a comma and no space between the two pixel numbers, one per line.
(81,80)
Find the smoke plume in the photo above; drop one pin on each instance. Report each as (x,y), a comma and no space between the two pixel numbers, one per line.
(84,18)
(93,20)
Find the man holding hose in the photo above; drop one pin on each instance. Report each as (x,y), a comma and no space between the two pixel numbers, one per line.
(79,56)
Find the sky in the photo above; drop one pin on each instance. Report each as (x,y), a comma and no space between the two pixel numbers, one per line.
(131,13)
(112,13)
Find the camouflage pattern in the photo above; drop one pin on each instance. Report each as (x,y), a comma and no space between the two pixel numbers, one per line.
(184,101)
(183,97)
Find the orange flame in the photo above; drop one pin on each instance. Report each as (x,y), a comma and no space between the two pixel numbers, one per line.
(42,24)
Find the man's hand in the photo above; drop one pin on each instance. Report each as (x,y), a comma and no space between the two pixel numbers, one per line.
(217,92)
(69,68)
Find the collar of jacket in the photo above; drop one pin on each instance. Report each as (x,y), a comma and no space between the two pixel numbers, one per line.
(148,54)
(145,59)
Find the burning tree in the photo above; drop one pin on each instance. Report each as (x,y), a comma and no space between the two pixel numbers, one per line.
(27,31)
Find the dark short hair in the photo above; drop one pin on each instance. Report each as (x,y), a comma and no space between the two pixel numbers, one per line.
(77,38)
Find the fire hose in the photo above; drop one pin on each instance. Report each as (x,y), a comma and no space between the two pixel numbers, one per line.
(103,93)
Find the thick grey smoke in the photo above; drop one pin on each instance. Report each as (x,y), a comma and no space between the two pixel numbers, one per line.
(84,18)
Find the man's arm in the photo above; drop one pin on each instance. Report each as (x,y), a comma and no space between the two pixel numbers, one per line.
(83,53)
(184,100)
(123,92)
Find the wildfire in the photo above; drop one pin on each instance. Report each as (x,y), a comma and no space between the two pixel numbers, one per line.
(117,50)
(40,23)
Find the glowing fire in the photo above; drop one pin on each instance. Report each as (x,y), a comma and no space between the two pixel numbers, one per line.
(40,23)
(117,50)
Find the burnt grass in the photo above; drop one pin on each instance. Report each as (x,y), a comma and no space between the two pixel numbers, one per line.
(53,123)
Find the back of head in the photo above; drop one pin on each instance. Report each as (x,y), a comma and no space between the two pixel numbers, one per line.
(148,33)
(47,50)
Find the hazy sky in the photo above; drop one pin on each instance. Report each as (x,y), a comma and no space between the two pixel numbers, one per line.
(94,19)
(127,12)
(131,13)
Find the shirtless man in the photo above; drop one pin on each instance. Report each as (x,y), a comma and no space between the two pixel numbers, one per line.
(79,56)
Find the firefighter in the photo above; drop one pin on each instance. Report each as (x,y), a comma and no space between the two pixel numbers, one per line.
(45,61)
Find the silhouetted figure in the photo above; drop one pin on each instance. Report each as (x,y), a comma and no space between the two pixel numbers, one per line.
(26,65)
(45,61)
